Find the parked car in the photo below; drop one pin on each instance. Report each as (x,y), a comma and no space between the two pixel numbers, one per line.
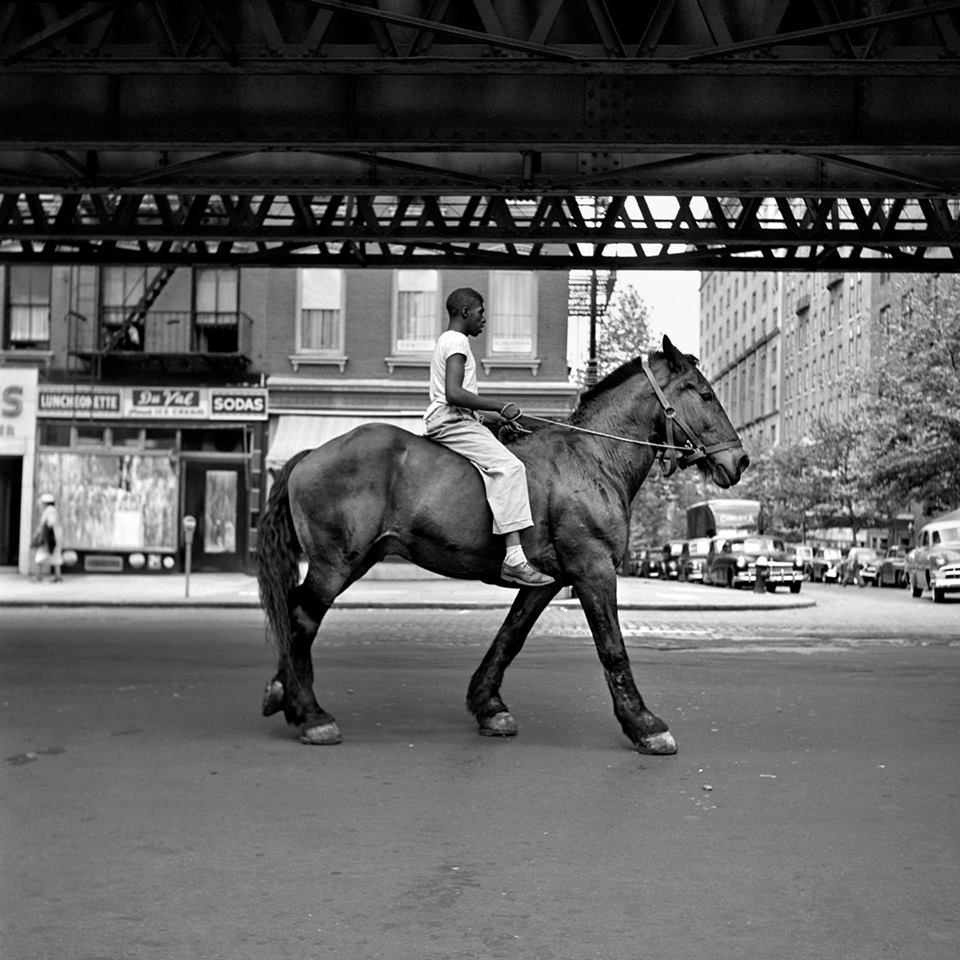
(670,559)
(825,565)
(934,563)
(733,561)
(802,552)
(644,562)
(891,571)
(693,557)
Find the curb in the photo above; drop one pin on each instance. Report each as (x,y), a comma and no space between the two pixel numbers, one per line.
(187,604)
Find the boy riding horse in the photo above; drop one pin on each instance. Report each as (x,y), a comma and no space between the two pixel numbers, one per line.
(453,419)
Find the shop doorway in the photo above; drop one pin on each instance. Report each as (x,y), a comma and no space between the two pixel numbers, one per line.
(215,494)
(11,477)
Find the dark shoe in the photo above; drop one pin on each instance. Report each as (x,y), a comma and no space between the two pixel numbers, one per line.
(524,574)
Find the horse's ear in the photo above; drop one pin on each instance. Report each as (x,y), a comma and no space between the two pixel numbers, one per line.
(674,357)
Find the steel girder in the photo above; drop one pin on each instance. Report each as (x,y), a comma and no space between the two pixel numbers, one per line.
(792,132)
(560,232)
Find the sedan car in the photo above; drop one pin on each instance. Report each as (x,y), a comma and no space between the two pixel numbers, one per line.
(934,563)
(735,561)
(802,552)
(670,560)
(891,571)
(825,565)
(693,558)
(644,562)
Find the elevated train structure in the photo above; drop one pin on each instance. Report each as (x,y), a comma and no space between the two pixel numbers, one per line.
(554,134)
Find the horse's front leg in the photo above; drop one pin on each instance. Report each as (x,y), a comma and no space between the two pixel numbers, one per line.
(598,597)
(483,694)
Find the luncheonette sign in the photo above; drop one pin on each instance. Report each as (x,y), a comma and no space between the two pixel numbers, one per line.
(153,403)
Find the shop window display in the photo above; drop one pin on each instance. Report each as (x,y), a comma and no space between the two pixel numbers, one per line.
(113,501)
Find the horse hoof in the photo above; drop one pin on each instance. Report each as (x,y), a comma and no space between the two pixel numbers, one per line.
(658,744)
(499,725)
(322,736)
(272,698)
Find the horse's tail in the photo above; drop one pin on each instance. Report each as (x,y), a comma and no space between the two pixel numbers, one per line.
(278,558)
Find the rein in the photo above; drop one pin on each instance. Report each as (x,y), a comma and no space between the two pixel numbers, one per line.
(680,455)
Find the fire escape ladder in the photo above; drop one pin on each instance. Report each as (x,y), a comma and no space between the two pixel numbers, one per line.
(132,326)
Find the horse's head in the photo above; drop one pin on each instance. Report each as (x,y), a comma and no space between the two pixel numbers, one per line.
(693,415)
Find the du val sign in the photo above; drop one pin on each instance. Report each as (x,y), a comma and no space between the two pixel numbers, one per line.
(167,403)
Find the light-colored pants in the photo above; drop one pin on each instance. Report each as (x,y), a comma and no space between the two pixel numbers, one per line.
(504,476)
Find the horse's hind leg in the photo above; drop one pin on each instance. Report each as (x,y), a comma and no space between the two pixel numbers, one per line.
(291,689)
(483,694)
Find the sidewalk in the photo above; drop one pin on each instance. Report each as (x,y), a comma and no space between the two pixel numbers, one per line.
(390,586)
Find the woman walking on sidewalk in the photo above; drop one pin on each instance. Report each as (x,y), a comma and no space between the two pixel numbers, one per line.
(48,539)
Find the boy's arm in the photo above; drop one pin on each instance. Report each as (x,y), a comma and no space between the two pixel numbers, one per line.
(457,396)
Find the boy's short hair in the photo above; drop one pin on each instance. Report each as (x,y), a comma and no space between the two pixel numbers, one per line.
(460,298)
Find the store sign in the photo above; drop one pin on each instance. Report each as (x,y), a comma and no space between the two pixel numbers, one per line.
(70,401)
(167,403)
(238,404)
(18,408)
(154,403)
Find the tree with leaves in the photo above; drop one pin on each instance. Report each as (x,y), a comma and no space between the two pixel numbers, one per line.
(624,331)
(843,459)
(915,417)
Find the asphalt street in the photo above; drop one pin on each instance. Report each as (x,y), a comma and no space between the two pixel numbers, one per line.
(150,812)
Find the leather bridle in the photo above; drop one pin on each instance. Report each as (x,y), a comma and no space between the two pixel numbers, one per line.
(691,450)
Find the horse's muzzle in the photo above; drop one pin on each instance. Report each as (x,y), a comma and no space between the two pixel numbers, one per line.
(726,471)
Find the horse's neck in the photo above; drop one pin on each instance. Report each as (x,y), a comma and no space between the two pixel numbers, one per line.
(628,410)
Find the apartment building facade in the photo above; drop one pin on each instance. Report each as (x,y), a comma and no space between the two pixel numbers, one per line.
(141,396)
(779,347)
(786,350)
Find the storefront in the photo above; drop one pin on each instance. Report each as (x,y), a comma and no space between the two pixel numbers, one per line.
(18,430)
(127,464)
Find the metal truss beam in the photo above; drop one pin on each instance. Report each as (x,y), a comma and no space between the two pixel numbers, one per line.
(259,115)
(544,232)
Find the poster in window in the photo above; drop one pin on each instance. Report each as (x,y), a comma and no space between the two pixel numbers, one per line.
(220,512)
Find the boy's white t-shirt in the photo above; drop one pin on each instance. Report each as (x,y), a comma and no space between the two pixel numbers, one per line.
(448,343)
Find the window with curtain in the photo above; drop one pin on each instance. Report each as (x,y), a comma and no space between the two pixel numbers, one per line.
(417,310)
(217,297)
(28,306)
(511,312)
(122,289)
(321,311)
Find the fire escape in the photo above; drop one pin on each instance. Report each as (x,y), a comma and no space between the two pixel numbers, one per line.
(122,342)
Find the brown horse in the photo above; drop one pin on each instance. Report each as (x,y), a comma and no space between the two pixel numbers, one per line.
(380,490)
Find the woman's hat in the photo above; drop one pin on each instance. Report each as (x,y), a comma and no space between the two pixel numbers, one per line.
(47,498)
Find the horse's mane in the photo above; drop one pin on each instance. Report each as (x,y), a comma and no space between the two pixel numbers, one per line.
(623,373)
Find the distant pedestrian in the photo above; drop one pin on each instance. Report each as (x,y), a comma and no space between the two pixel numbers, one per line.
(853,572)
(48,540)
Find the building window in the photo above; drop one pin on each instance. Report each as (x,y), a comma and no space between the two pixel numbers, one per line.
(417,310)
(217,297)
(28,307)
(123,291)
(320,329)
(512,313)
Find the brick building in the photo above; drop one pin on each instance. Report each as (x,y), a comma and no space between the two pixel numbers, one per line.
(141,395)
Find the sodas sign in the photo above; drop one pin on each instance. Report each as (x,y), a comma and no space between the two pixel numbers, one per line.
(238,405)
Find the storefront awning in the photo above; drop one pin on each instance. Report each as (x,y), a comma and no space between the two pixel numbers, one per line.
(296,432)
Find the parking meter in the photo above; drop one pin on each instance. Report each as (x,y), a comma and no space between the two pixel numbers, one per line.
(189,527)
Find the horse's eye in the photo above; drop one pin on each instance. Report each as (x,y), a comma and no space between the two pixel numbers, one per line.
(706,395)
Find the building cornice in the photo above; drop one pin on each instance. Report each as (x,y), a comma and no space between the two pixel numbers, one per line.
(420,388)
